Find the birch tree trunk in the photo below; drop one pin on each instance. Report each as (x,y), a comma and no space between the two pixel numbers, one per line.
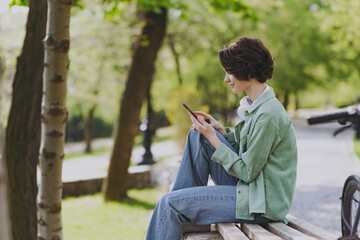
(54,115)
(21,150)
(139,79)
(4,210)
(4,214)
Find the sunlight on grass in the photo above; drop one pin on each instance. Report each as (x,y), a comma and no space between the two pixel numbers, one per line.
(107,150)
(357,147)
(90,218)
(102,150)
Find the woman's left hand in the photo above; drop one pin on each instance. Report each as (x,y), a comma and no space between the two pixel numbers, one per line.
(206,129)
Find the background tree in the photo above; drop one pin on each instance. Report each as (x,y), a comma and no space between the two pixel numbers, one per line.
(4,214)
(343,30)
(21,149)
(139,79)
(198,36)
(100,56)
(301,43)
(54,115)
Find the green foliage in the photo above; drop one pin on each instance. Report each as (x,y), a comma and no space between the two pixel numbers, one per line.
(357,147)
(90,218)
(182,7)
(19,3)
(197,39)
(313,43)
(343,26)
(75,125)
(100,54)
(178,115)
(75,3)
(235,6)
(335,95)
(292,35)
(115,8)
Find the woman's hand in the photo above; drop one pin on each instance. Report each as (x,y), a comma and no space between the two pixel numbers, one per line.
(206,129)
(215,124)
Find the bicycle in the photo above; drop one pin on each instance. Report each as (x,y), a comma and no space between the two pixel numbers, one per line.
(350,199)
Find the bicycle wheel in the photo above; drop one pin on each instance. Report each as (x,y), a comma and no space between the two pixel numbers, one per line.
(349,205)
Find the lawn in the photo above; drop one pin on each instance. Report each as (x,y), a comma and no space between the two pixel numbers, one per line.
(357,147)
(107,149)
(90,218)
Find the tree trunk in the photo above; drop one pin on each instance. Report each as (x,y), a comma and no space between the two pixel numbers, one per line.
(54,117)
(21,151)
(4,214)
(4,210)
(2,99)
(171,40)
(87,129)
(286,100)
(139,78)
(90,117)
(297,102)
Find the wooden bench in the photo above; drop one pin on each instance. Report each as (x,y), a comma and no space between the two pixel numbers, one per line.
(297,229)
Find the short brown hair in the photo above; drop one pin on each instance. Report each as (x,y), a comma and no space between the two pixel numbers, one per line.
(248,57)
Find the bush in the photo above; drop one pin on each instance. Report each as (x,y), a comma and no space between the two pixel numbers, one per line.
(75,129)
(178,115)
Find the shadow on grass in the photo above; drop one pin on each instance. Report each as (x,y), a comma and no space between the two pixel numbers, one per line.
(134,202)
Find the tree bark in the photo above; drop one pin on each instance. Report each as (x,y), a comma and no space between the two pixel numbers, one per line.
(2,99)
(88,129)
(139,77)
(4,210)
(4,214)
(54,115)
(171,39)
(21,151)
(286,100)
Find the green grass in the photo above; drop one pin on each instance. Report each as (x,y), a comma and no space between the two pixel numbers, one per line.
(106,150)
(90,218)
(357,147)
(102,150)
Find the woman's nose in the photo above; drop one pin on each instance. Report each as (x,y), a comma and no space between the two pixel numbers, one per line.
(227,77)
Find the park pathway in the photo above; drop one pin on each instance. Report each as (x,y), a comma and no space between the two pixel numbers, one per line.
(324,164)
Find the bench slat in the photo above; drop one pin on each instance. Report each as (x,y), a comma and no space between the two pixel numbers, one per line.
(255,232)
(286,232)
(309,229)
(229,231)
(202,236)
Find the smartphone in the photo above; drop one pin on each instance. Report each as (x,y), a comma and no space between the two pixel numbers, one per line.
(192,113)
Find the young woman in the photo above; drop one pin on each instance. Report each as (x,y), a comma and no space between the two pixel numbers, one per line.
(253,167)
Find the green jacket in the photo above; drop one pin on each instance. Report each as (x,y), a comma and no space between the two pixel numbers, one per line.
(267,167)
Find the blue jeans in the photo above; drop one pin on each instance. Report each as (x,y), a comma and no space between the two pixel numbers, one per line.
(191,200)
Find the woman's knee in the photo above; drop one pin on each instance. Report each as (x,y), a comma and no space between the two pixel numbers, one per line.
(164,201)
(193,133)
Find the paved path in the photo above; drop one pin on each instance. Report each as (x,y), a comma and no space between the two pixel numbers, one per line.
(95,166)
(324,164)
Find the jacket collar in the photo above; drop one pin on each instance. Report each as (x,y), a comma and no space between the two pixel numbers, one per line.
(263,98)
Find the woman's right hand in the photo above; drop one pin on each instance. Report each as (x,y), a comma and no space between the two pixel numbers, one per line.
(215,124)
